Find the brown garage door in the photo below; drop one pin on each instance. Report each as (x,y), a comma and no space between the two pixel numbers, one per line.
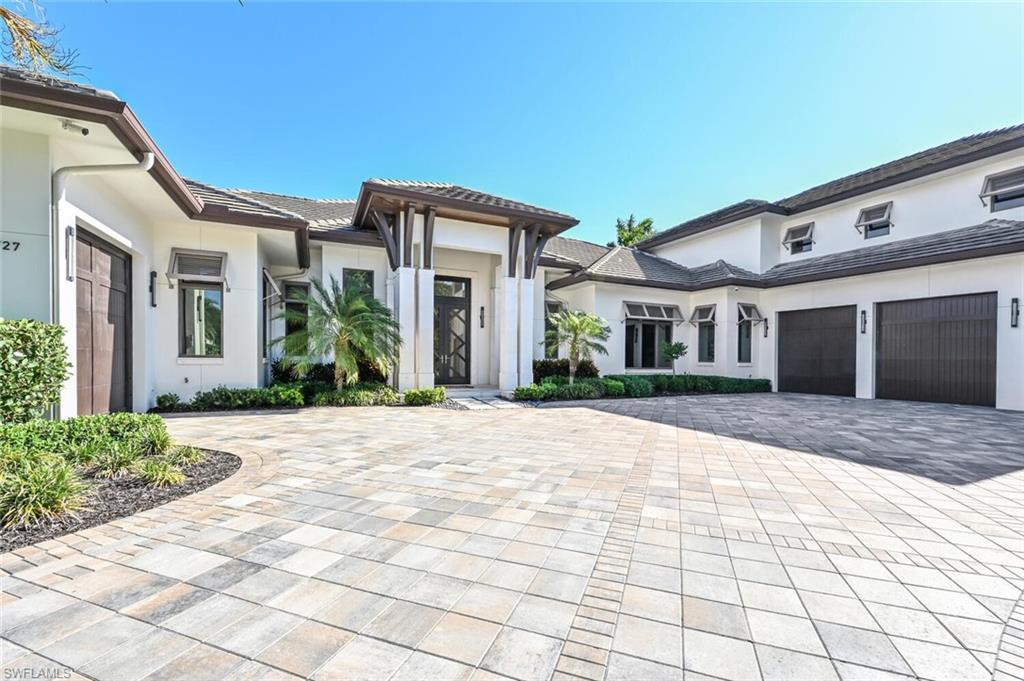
(937,349)
(104,323)
(818,351)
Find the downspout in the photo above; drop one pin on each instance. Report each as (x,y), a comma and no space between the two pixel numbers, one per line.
(58,188)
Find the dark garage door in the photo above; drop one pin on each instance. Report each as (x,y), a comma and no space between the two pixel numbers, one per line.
(818,351)
(937,349)
(104,319)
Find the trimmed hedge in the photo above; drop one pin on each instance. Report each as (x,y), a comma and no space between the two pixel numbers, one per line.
(543,368)
(73,436)
(322,373)
(632,385)
(33,367)
(419,397)
(360,395)
(223,398)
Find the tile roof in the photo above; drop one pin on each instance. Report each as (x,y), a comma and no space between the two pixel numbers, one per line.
(236,203)
(935,159)
(631,266)
(446,190)
(573,251)
(55,82)
(989,238)
(323,213)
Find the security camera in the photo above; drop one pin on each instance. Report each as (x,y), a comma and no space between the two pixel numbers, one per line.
(71,126)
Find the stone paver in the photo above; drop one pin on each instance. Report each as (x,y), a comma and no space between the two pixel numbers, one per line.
(736,537)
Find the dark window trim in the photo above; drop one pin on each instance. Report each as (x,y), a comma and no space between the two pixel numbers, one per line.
(1014,194)
(880,226)
(746,338)
(802,244)
(701,356)
(637,324)
(206,286)
(358,270)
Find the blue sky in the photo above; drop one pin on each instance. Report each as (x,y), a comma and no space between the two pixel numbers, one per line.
(667,110)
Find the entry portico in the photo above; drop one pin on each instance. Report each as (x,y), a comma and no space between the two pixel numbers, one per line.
(461,279)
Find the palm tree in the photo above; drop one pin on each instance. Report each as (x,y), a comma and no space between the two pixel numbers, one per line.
(350,323)
(581,333)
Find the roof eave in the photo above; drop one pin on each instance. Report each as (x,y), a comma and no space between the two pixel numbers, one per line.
(667,237)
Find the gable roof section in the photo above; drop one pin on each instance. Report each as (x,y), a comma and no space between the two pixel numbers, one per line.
(569,253)
(993,237)
(637,268)
(322,213)
(936,159)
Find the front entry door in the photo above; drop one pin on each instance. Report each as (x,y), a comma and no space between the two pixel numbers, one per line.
(451,331)
(103,366)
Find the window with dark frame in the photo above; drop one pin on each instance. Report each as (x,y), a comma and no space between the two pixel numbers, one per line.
(296,307)
(200,319)
(648,326)
(1003,190)
(745,330)
(875,220)
(361,279)
(550,308)
(799,239)
(703,317)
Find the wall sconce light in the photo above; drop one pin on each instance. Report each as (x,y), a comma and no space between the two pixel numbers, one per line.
(152,288)
(863,321)
(765,327)
(481,316)
(1015,312)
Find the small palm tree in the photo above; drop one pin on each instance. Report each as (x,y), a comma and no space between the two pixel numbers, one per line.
(350,323)
(581,333)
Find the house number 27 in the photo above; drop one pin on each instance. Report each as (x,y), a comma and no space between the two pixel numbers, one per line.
(10,245)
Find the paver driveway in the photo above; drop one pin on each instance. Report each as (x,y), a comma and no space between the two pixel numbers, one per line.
(736,537)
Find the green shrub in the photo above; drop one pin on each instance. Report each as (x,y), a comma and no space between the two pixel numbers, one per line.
(555,380)
(185,455)
(79,437)
(614,388)
(223,398)
(159,472)
(638,386)
(579,391)
(323,373)
(116,461)
(419,397)
(526,393)
(33,367)
(542,368)
(660,382)
(36,487)
(359,395)
(168,402)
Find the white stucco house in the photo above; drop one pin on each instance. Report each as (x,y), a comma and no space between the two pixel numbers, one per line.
(902,281)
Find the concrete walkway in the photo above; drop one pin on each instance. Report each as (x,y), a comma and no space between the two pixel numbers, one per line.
(736,537)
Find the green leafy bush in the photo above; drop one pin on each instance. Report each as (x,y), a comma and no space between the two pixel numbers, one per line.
(419,397)
(613,388)
(81,436)
(33,367)
(36,487)
(116,461)
(359,395)
(579,391)
(168,402)
(323,373)
(542,368)
(185,455)
(660,382)
(159,472)
(223,398)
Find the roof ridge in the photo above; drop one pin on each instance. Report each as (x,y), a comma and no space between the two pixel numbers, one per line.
(600,261)
(290,196)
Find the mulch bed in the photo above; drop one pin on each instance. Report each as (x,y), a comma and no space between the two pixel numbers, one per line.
(113,499)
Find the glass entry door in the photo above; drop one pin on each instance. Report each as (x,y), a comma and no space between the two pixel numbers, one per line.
(451,330)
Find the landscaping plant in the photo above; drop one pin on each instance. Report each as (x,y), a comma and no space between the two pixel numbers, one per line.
(348,323)
(36,487)
(673,351)
(582,334)
(418,397)
(33,367)
(185,455)
(117,460)
(158,472)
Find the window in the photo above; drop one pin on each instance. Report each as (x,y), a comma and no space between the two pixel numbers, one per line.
(550,308)
(749,315)
(875,221)
(648,327)
(201,320)
(198,266)
(361,279)
(799,239)
(703,318)
(450,288)
(1004,190)
(296,308)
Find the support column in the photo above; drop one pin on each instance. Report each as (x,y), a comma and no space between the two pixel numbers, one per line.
(508,337)
(425,330)
(526,342)
(405,293)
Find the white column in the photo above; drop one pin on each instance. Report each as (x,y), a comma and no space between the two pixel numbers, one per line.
(64,307)
(865,381)
(526,341)
(508,337)
(405,290)
(425,331)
